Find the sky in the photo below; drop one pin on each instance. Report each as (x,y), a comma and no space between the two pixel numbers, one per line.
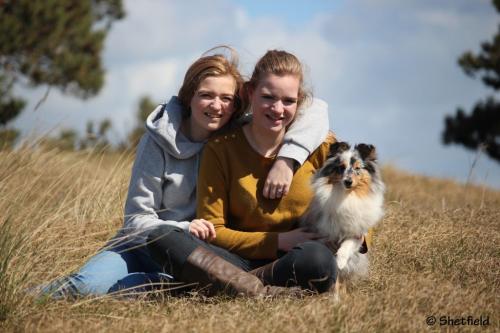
(387,69)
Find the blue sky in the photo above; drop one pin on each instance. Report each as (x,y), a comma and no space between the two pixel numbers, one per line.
(387,68)
(295,12)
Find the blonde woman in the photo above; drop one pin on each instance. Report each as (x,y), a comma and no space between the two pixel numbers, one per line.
(254,233)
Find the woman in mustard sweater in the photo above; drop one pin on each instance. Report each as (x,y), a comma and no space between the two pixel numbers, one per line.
(253,232)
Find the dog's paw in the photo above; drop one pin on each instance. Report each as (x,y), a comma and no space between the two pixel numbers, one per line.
(342,262)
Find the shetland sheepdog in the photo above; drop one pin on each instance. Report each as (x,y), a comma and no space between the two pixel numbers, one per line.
(348,200)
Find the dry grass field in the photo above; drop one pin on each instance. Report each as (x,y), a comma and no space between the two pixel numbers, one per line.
(435,253)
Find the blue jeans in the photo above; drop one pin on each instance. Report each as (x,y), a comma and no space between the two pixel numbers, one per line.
(126,267)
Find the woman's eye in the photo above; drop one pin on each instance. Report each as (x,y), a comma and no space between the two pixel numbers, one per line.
(290,101)
(268,97)
(227,99)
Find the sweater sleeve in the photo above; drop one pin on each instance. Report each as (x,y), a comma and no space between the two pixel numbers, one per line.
(213,205)
(145,193)
(307,132)
(320,155)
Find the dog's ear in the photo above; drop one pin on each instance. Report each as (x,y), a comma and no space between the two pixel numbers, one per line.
(338,147)
(367,152)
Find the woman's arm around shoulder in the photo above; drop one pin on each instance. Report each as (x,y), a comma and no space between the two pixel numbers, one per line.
(307,132)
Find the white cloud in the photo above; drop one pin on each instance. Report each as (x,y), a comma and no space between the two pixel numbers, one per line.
(153,78)
(160,28)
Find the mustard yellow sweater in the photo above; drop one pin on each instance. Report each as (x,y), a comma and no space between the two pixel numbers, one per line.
(229,193)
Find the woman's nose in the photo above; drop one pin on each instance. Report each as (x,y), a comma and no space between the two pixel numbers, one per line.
(216,104)
(277,106)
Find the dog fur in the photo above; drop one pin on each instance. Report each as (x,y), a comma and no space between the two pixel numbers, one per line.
(348,200)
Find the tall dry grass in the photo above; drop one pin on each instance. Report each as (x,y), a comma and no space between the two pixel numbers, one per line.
(435,253)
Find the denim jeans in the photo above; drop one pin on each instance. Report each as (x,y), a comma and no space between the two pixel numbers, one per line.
(125,267)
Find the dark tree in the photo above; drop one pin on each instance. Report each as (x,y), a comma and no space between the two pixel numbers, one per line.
(480,129)
(145,107)
(96,139)
(57,43)
(10,107)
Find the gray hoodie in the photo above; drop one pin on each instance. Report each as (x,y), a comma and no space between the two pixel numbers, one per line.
(162,187)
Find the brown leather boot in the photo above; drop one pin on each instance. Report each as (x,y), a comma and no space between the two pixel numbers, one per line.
(264,273)
(216,274)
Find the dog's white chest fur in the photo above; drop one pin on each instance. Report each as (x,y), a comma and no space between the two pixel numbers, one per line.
(346,215)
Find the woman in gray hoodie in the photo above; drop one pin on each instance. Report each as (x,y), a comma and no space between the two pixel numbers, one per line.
(162,188)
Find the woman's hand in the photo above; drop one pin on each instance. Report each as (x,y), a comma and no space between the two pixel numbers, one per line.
(202,229)
(287,240)
(279,178)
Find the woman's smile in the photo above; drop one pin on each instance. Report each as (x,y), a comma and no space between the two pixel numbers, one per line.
(213,115)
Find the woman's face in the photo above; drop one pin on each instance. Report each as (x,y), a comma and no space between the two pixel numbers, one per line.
(274,102)
(213,103)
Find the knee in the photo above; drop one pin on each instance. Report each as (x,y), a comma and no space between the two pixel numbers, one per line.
(316,263)
(165,237)
(160,241)
(162,233)
(169,247)
(313,255)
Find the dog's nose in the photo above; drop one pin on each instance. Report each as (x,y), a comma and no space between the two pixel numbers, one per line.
(348,183)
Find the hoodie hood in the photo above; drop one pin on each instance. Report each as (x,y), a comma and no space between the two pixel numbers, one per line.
(164,124)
